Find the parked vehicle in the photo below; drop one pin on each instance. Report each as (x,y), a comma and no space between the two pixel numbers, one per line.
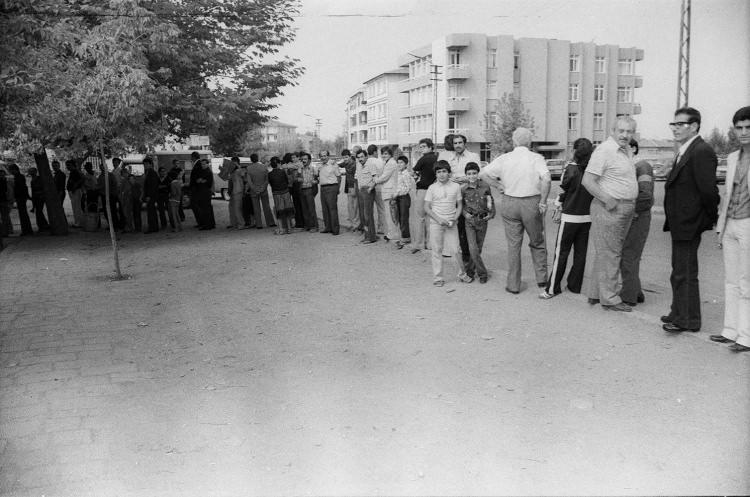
(721,171)
(556,167)
(661,171)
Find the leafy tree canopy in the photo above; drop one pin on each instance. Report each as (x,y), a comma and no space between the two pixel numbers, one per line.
(499,124)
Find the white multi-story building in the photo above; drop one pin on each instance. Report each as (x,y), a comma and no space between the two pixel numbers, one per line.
(570,89)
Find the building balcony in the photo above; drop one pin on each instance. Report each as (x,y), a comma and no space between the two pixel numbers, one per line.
(636,108)
(416,110)
(457,71)
(457,104)
(628,108)
(459,131)
(457,40)
(630,80)
(405,85)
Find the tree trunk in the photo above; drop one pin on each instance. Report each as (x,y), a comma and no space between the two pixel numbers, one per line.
(57,221)
(105,172)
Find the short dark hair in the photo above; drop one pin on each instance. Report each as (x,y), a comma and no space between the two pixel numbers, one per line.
(741,115)
(428,142)
(360,151)
(195,156)
(173,173)
(274,162)
(471,166)
(693,114)
(460,136)
(235,159)
(386,150)
(372,149)
(116,161)
(403,159)
(634,144)
(442,164)
(149,160)
(301,155)
(254,157)
(287,158)
(345,152)
(582,150)
(55,162)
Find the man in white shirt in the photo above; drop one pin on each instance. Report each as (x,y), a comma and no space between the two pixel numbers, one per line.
(387,182)
(523,178)
(610,178)
(377,165)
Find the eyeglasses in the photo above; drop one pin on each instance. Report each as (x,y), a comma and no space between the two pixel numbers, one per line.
(680,124)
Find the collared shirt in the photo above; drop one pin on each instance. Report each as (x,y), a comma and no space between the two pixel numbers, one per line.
(405,183)
(458,161)
(521,172)
(739,203)
(477,200)
(377,166)
(388,179)
(615,169)
(365,173)
(683,148)
(329,173)
(307,173)
(444,198)
(237,180)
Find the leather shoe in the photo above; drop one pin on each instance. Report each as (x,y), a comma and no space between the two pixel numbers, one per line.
(631,304)
(622,307)
(673,328)
(720,339)
(640,298)
(666,319)
(514,292)
(736,347)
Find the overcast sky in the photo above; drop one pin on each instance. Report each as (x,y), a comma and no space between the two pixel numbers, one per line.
(343,43)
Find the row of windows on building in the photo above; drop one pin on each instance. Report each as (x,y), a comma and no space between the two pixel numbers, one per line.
(624,93)
(421,67)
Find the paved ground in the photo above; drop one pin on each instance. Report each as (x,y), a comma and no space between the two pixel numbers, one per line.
(243,363)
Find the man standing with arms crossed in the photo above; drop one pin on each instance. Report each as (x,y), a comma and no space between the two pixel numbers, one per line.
(524,179)
(610,178)
(691,201)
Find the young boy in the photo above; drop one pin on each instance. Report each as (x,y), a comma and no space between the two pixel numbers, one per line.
(478,208)
(401,203)
(443,205)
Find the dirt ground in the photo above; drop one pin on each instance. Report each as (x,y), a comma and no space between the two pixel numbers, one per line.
(244,363)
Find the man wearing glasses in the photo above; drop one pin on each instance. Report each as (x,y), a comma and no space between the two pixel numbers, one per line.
(691,200)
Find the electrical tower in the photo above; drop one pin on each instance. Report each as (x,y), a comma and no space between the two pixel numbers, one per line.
(683,69)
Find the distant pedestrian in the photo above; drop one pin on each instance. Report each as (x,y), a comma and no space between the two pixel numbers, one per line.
(136,195)
(126,202)
(282,198)
(387,183)
(175,176)
(376,164)
(6,225)
(401,204)
(75,192)
(59,178)
(733,230)
(525,182)
(478,209)
(162,199)
(257,187)
(349,163)
(329,176)
(635,240)
(443,204)
(38,200)
(150,194)
(573,213)
(425,172)
(90,189)
(201,191)
(236,194)
(308,190)
(21,194)
(366,184)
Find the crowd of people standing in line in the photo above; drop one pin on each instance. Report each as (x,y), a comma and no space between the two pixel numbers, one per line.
(603,210)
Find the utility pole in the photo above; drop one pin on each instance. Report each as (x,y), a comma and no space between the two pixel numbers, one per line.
(434,77)
(683,68)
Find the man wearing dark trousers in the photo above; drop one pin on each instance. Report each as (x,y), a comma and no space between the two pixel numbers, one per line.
(60,179)
(162,199)
(21,194)
(151,195)
(691,200)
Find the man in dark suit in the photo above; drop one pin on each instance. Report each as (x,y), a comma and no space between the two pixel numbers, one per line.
(151,195)
(691,200)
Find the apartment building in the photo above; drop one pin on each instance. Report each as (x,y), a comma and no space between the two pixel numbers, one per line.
(275,131)
(373,111)
(454,85)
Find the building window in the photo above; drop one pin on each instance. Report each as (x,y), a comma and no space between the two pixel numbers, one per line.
(598,93)
(598,121)
(624,94)
(491,88)
(625,66)
(573,92)
(575,63)
(600,66)
(452,121)
(485,152)
(490,120)
(572,121)
(420,67)
(454,89)
(454,57)
(492,58)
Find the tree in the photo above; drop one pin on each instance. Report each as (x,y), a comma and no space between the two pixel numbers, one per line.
(85,75)
(718,141)
(499,124)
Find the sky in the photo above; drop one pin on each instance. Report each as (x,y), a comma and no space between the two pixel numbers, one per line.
(343,43)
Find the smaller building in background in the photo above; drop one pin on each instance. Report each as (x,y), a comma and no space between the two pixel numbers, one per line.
(275,131)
